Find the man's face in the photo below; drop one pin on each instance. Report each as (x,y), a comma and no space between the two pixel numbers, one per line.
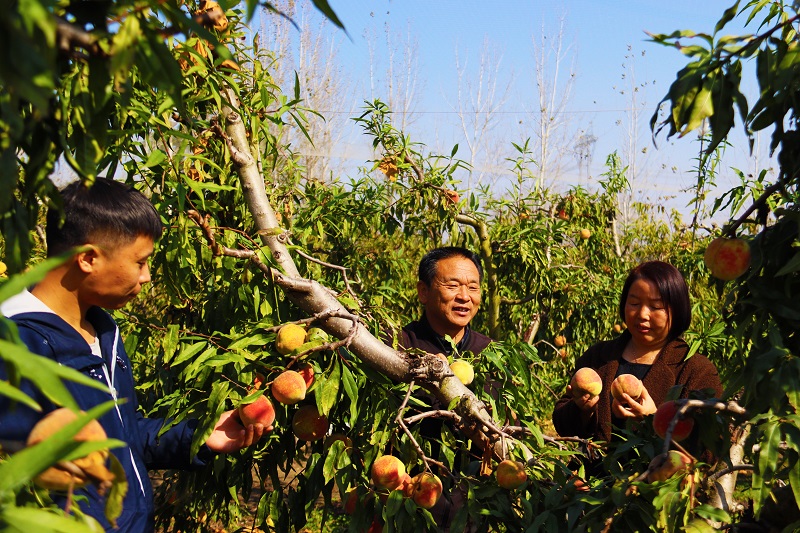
(117,274)
(454,296)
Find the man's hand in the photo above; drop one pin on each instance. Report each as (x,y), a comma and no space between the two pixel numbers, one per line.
(633,409)
(230,435)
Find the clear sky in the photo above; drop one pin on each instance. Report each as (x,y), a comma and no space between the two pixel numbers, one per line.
(605,41)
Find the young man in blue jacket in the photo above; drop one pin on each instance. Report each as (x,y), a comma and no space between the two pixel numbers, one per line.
(63,318)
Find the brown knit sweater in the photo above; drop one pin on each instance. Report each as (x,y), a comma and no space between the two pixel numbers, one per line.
(670,368)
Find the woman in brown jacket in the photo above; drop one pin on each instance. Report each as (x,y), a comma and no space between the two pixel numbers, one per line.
(655,307)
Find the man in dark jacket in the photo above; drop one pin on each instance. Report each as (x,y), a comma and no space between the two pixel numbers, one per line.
(62,318)
(449,288)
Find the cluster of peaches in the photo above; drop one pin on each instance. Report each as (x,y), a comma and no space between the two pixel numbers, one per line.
(662,467)
(289,387)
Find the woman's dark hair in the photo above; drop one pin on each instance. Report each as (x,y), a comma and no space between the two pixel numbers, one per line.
(427,267)
(107,212)
(673,290)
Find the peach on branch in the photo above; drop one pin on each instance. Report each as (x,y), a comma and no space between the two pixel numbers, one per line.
(585,234)
(289,338)
(727,259)
(350,501)
(560,341)
(333,437)
(91,468)
(289,387)
(307,371)
(586,381)
(387,472)
(427,488)
(260,411)
(511,474)
(308,424)
(664,415)
(626,384)
(463,371)
(666,465)
(258,381)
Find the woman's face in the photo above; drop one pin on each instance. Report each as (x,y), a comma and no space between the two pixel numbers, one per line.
(646,315)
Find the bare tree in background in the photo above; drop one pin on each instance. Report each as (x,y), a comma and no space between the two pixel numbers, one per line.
(478,104)
(399,85)
(635,152)
(311,53)
(554,84)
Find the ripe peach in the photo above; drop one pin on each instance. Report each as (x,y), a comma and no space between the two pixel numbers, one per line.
(452,195)
(258,381)
(388,472)
(289,387)
(260,411)
(289,338)
(91,467)
(560,341)
(626,383)
(617,328)
(727,259)
(563,353)
(562,214)
(308,424)
(585,234)
(350,501)
(463,371)
(586,381)
(307,371)
(511,474)
(666,465)
(427,489)
(664,415)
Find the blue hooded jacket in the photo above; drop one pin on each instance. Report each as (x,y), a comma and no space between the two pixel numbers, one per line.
(48,335)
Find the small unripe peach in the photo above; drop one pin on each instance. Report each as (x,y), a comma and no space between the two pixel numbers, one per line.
(511,474)
(586,381)
(617,328)
(289,387)
(560,341)
(585,234)
(308,424)
(463,371)
(664,415)
(626,384)
(387,472)
(348,443)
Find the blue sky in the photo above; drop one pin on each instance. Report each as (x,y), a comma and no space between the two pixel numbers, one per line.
(606,38)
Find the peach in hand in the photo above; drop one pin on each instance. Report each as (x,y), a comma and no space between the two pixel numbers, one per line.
(626,384)
(586,381)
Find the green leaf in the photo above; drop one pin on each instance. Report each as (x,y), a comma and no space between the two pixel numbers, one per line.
(46,374)
(326,390)
(727,16)
(19,282)
(119,488)
(27,519)
(22,466)
(17,395)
